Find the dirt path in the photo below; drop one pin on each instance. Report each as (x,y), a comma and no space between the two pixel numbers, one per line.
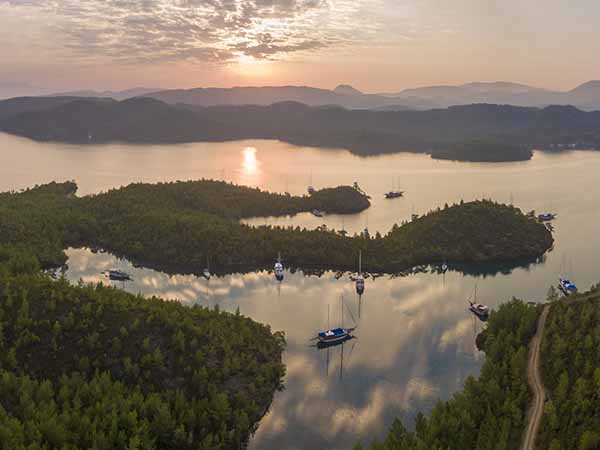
(535,381)
(533,374)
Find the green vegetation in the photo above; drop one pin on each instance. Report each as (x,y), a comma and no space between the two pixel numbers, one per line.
(483,150)
(363,132)
(570,357)
(178,225)
(91,367)
(490,412)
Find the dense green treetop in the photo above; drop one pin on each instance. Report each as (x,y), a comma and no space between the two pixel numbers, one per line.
(489,413)
(92,367)
(179,225)
(570,360)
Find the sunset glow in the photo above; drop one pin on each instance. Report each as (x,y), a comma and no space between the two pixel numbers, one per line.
(375,45)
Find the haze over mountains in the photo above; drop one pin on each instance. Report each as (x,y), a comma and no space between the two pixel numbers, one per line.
(585,97)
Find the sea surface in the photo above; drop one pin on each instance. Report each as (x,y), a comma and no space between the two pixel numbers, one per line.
(415,339)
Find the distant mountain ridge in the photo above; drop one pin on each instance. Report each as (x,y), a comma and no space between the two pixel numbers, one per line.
(481,132)
(344,96)
(116,95)
(585,96)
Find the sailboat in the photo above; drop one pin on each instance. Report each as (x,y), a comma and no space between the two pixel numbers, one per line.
(279,273)
(394,194)
(360,281)
(117,275)
(444,267)
(311,190)
(206,272)
(566,286)
(335,336)
(481,311)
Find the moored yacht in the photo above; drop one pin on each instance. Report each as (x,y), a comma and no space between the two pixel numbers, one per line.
(360,280)
(480,310)
(278,269)
(393,194)
(117,275)
(335,336)
(206,272)
(566,286)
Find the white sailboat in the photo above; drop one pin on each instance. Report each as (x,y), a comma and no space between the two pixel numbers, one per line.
(481,311)
(279,271)
(206,272)
(311,190)
(360,280)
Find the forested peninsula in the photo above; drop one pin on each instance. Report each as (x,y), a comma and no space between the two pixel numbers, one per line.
(490,412)
(570,367)
(93,367)
(178,226)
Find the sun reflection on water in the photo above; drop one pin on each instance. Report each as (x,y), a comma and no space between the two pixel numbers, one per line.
(250,167)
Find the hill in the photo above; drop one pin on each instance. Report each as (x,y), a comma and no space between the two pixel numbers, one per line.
(571,374)
(490,411)
(440,132)
(115,95)
(585,97)
(95,367)
(177,226)
(344,96)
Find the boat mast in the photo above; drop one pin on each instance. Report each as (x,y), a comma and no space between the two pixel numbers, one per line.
(360,262)
(342,363)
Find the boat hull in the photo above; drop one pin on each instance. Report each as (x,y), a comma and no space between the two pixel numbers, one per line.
(324,344)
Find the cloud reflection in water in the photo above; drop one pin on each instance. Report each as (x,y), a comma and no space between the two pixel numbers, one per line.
(415,344)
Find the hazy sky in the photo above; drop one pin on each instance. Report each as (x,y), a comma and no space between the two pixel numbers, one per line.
(376,45)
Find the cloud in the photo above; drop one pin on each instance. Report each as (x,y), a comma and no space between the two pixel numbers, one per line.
(217,31)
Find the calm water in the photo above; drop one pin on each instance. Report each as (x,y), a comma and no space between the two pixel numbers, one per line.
(415,339)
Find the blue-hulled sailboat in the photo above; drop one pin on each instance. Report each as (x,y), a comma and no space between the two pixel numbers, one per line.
(566,287)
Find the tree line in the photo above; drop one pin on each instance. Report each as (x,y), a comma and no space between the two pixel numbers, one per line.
(180,225)
(490,412)
(93,367)
(570,361)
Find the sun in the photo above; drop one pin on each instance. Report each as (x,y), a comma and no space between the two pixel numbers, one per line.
(246,59)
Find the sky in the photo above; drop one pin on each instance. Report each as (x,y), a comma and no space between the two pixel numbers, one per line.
(374,45)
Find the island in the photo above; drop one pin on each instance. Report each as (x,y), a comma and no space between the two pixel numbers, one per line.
(178,226)
(443,133)
(483,150)
(85,367)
